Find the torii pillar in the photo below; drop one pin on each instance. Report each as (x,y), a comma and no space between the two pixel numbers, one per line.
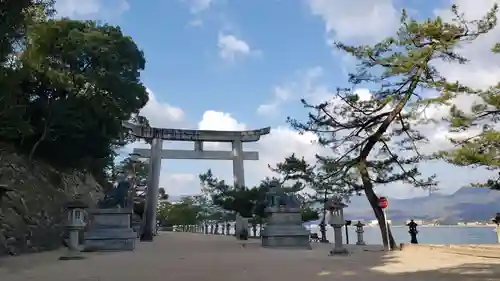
(157,153)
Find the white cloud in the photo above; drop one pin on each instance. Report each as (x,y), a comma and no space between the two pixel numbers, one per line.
(363,21)
(162,114)
(91,8)
(483,69)
(195,22)
(219,121)
(179,183)
(179,179)
(230,47)
(198,6)
(273,148)
(159,114)
(291,91)
(281,95)
(215,120)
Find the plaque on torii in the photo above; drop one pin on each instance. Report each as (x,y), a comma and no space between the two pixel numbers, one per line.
(157,153)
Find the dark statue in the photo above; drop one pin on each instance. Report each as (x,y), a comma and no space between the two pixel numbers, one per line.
(277,197)
(116,196)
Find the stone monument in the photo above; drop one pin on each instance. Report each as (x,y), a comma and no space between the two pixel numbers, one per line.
(110,228)
(284,228)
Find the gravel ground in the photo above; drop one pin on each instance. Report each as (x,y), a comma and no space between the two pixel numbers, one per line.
(197,257)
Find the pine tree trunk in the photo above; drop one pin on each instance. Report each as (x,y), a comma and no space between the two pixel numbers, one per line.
(373,199)
(382,221)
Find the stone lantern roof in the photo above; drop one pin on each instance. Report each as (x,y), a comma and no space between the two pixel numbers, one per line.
(76,204)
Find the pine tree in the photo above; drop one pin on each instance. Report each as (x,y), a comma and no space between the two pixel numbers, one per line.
(378,136)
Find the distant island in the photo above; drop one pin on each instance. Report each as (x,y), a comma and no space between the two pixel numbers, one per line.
(467,207)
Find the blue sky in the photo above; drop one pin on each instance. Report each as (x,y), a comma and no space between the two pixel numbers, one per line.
(241,64)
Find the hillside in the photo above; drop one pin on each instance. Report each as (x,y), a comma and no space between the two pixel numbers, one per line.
(32,214)
(466,204)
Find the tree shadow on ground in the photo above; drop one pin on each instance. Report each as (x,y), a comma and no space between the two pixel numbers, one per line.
(392,266)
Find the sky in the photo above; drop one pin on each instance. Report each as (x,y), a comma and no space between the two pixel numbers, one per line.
(241,64)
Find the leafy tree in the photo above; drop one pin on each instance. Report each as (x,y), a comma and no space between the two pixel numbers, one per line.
(481,148)
(162,213)
(185,212)
(324,183)
(17,17)
(378,137)
(237,199)
(309,214)
(250,202)
(85,68)
(162,194)
(72,85)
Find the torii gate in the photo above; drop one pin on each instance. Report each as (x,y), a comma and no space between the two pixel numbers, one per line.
(157,153)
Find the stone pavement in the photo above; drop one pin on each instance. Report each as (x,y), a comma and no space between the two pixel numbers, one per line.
(194,257)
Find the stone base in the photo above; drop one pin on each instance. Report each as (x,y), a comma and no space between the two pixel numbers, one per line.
(285,230)
(362,243)
(339,251)
(110,230)
(291,242)
(110,240)
(72,255)
(285,236)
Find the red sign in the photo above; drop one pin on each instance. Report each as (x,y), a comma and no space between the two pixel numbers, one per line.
(382,202)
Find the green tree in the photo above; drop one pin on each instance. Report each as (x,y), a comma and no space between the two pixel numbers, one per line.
(91,84)
(482,147)
(377,137)
(237,199)
(162,213)
(17,17)
(250,202)
(324,183)
(75,82)
(162,194)
(185,212)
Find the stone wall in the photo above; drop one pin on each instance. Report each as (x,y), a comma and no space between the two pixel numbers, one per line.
(32,214)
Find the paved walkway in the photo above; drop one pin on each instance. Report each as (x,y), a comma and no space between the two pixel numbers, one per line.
(198,257)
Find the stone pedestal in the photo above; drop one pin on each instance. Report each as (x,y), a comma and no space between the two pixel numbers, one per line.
(110,230)
(338,247)
(136,225)
(285,229)
(241,227)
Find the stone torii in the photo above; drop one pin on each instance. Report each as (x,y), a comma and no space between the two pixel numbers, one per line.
(157,153)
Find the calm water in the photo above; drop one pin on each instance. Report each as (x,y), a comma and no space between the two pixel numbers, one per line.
(426,235)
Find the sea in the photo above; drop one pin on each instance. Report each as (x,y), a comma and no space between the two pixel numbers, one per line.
(426,234)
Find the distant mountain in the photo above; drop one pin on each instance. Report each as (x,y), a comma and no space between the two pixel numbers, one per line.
(466,204)
(176,198)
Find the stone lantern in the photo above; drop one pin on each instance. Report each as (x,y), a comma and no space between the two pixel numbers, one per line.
(336,220)
(412,229)
(75,224)
(359,232)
